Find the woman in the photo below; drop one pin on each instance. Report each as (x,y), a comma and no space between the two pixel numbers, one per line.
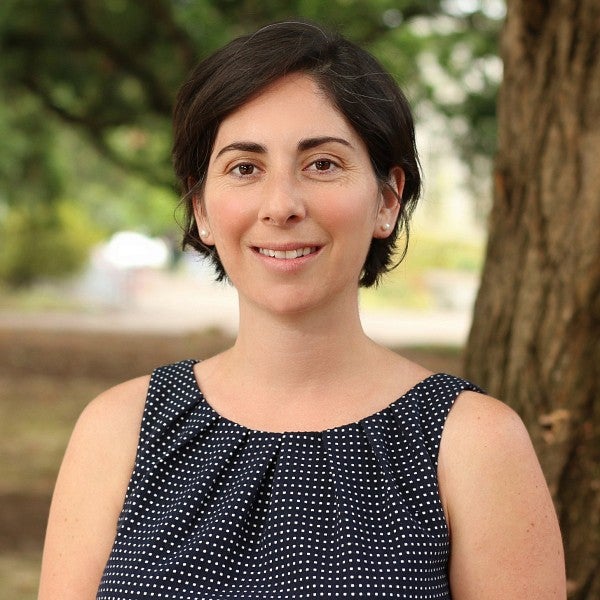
(306,461)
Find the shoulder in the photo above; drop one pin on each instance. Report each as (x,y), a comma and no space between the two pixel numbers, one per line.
(102,448)
(116,413)
(104,440)
(90,490)
(482,436)
(478,420)
(122,399)
(505,540)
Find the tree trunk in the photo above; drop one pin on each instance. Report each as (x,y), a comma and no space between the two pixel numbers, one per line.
(535,340)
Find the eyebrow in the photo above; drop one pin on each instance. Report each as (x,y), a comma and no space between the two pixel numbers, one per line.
(319,141)
(244,147)
(306,144)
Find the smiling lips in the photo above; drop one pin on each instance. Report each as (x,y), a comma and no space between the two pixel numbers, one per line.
(288,254)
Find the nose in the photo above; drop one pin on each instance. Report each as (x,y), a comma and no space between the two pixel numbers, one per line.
(282,203)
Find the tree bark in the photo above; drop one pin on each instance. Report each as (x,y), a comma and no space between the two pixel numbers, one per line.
(535,339)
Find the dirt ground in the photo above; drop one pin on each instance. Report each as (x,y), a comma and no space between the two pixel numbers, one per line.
(46,378)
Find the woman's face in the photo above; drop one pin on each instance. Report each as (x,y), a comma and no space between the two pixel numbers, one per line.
(291,201)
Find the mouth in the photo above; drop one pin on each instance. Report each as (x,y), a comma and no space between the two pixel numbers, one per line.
(287,254)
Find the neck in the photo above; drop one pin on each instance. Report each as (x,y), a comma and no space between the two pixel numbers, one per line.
(293,350)
(305,371)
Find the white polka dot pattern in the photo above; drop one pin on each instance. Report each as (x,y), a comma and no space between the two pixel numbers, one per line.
(215,510)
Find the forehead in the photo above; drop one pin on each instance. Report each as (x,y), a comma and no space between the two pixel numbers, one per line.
(292,107)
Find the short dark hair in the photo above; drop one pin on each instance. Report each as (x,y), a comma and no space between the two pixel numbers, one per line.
(355,82)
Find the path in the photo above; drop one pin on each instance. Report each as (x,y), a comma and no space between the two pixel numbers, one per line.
(158,303)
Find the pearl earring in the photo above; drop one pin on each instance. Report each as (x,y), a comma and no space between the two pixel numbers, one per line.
(203,233)
(385,226)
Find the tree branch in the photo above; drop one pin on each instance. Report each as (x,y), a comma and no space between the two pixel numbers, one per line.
(93,124)
(95,132)
(160,100)
(144,170)
(177,35)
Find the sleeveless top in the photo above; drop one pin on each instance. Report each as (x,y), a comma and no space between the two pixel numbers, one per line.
(215,510)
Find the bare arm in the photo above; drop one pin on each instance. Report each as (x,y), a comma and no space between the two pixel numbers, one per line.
(505,540)
(89,493)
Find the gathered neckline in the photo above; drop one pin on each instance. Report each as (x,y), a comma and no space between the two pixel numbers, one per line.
(306,433)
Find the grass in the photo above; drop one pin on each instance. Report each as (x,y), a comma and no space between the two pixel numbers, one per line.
(19,575)
(37,414)
(46,297)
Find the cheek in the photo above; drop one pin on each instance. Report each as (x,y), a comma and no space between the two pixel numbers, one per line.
(354,212)
(227,216)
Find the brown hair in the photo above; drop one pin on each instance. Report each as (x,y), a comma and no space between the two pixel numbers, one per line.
(356,84)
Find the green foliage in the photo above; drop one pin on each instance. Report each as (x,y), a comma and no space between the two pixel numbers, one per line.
(49,241)
(115,65)
(28,169)
(86,87)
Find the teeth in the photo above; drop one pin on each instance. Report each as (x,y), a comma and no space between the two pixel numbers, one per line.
(288,254)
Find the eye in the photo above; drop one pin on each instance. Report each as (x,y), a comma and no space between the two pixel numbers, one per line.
(243,169)
(323,165)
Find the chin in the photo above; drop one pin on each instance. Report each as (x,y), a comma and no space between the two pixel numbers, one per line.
(290,307)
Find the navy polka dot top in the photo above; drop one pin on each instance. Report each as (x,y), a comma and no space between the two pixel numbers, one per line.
(217,510)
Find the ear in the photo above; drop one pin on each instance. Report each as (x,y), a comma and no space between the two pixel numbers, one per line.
(202,222)
(390,203)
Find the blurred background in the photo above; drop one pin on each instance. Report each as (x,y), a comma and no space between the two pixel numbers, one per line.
(93,286)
